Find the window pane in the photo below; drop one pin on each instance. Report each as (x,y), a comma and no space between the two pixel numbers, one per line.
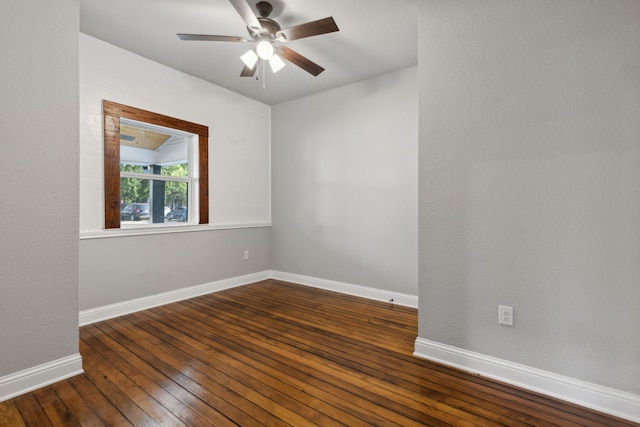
(176,200)
(134,190)
(147,201)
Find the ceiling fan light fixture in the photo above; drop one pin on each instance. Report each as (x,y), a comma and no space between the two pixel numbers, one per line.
(265,31)
(276,63)
(264,49)
(249,58)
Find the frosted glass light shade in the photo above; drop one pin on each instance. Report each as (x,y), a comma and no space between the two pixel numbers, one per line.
(276,63)
(250,58)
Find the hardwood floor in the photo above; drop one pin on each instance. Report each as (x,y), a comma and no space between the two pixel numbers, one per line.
(275,353)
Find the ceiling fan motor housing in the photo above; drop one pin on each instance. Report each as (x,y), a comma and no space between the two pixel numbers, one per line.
(269,26)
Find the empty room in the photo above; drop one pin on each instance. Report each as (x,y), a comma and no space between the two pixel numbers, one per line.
(344,212)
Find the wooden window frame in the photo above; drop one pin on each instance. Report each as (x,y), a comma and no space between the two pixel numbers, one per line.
(112,113)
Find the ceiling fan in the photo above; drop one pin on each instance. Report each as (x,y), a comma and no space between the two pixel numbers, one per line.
(266,32)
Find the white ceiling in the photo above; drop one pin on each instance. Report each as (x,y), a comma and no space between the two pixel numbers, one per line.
(376,37)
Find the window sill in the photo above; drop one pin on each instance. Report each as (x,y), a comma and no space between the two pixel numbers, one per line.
(150,230)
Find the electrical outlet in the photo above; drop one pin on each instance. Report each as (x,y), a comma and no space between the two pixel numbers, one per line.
(505,315)
(246,255)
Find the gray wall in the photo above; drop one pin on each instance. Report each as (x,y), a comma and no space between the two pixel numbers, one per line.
(39,176)
(119,269)
(344,184)
(529,190)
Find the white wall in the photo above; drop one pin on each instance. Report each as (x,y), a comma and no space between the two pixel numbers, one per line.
(344,173)
(238,131)
(530,183)
(124,268)
(39,191)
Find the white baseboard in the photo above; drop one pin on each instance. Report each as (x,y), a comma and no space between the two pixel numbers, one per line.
(603,399)
(349,289)
(125,307)
(39,376)
(119,309)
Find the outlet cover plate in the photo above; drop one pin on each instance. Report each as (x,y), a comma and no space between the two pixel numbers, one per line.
(505,315)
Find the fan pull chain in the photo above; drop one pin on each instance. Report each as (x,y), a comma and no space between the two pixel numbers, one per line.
(264,76)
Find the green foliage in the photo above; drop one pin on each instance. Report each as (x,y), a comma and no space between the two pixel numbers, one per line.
(176,170)
(135,190)
(131,168)
(175,192)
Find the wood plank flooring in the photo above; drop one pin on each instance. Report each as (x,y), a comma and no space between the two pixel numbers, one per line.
(275,354)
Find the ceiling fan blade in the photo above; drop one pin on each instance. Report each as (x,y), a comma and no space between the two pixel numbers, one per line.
(299,60)
(249,72)
(321,26)
(247,15)
(211,38)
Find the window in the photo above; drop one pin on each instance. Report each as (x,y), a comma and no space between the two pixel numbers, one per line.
(158,171)
(155,168)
